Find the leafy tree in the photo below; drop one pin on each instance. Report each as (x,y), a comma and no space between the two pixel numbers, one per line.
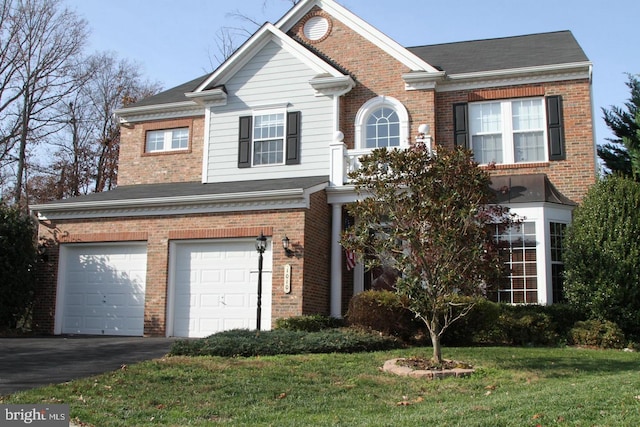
(17,259)
(429,218)
(622,154)
(602,256)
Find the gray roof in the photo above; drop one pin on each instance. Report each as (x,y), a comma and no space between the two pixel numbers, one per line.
(454,58)
(187,189)
(503,53)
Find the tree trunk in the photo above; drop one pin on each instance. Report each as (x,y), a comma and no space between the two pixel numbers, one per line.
(435,342)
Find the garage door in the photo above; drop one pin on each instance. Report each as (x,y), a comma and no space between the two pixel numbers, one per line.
(213,287)
(102,289)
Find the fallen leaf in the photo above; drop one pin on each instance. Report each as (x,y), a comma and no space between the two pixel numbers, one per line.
(488,393)
(537,416)
(637,397)
(403,403)
(282,395)
(490,387)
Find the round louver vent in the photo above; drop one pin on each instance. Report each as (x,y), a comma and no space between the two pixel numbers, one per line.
(316,28)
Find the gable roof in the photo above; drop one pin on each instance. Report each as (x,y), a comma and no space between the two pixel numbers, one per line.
(267,33)
(366,30)
(533,50)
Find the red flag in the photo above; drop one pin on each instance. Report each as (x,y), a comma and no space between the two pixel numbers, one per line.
(351,259)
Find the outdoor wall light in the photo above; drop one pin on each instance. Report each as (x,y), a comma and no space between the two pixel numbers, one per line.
(285,245)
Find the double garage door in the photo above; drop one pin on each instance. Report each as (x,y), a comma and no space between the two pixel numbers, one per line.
(212,287)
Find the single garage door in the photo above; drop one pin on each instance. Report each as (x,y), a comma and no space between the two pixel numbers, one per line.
(213,287)
(101,289)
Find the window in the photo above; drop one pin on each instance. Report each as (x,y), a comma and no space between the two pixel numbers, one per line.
(382,122)
(269,137)
(511,131)
(556,235)
(520,285)
(383,129)
(167,140)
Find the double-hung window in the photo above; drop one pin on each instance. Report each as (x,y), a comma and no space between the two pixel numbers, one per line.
(268,138)
(167,140)
(511,131)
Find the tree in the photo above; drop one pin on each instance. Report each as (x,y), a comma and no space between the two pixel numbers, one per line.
(44,43)
(622,154)
(17,261)
(602,253)
(431,219)
(86,150)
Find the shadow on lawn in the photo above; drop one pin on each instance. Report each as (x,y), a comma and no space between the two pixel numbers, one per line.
(570,362)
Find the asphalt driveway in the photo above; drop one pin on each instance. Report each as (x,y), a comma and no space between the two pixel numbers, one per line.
(33,362)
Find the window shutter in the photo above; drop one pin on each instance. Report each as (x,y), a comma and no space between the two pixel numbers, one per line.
(293,138)
(460,125)
(555,128)
(244,142)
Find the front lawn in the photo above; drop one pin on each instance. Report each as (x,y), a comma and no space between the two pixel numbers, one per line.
(512,387)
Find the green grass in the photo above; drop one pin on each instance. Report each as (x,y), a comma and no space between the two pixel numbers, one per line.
(512,387)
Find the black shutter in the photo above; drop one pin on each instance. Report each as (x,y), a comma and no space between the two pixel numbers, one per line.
(244,142)
(555,128)
(293,138)
(460,125)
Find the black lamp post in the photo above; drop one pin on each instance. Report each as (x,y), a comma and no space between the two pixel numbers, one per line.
(261,245)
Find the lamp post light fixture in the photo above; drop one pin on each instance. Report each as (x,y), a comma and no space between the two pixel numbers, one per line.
(261,246)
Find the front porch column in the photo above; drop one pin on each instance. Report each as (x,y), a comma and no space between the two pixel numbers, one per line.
(336,261)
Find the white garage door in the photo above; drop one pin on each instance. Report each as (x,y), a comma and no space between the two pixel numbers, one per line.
(213,287)
(101,289)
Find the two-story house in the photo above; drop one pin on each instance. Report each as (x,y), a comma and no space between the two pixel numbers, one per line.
(263,145)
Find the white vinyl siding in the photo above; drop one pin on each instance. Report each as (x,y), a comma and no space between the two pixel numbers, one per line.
(273,77)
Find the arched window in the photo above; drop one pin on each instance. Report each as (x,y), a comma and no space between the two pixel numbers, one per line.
(382,122)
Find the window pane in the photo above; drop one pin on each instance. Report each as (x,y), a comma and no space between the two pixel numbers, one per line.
(520,285)
(487,148)
(180,139)
(527,114)
(268,139)
(155,141)
(382,129)
(529,147)
(485,118)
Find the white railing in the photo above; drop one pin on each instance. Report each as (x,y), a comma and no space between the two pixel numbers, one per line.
(344,161)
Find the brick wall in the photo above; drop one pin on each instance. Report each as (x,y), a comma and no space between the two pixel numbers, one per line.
(375,72)
(159,231)
(573,176)
(138,167)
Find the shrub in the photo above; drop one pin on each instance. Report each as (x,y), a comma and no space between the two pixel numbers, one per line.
(602,251)
(308,323)
(241,342)
(17,263)
(597,333)
(525,326)
(381,311)
(477,327)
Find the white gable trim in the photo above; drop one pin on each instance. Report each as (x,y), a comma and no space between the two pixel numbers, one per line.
(267,33)
(411,61)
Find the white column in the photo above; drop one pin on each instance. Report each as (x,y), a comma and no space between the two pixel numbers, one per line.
(336,261)
(338,165)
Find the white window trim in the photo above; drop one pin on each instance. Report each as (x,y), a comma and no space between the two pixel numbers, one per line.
(508,143)
(369,107)
(263,111)
(168,139)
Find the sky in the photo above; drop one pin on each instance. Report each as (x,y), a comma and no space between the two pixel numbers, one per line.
(174,41)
